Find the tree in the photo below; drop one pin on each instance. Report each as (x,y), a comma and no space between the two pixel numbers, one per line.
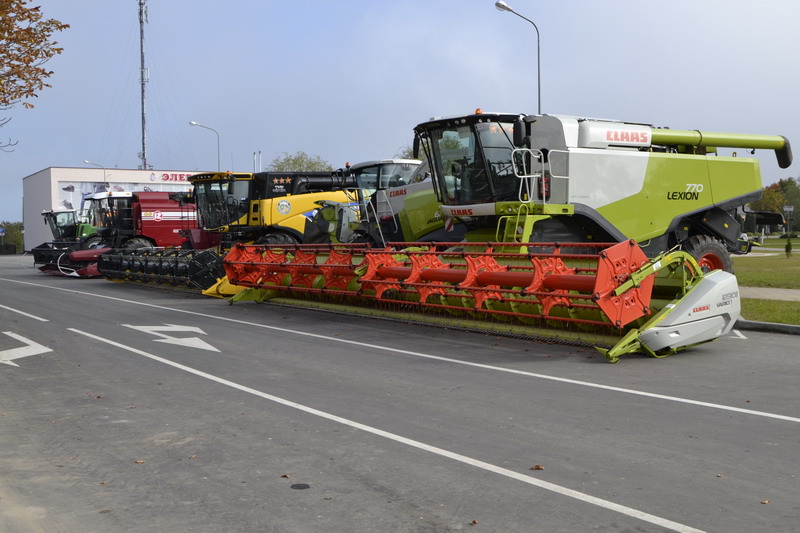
(299,162)
(405,152)
(25,46)
(12,240)
(772,199)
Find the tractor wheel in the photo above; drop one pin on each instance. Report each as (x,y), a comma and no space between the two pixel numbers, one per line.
(91,241)
(277,238)
(136,243)
(709,253)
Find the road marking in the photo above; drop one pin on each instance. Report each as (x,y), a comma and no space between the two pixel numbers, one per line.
(32,348)
(738,334)
(23,313)
(433,357)
(190,342)
(587,498)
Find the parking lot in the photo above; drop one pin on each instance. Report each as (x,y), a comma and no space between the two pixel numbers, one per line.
(131,408)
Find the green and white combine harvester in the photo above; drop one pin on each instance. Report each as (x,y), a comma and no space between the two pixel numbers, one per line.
(580,230)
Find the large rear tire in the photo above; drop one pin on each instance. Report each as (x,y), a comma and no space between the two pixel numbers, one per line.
(91,241)
(137,243)
(277,238)
(709,253)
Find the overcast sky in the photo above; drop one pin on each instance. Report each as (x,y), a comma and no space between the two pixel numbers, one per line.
(348,80)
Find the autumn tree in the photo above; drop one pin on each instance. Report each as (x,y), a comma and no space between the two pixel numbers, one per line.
(772,199)
(299,162)
(25,46)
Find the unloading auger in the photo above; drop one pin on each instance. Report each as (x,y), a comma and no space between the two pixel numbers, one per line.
(608,295)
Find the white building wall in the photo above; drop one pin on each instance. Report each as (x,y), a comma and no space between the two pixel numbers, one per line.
(61,188)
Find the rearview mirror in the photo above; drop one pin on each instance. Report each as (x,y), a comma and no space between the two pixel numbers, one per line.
(520,140)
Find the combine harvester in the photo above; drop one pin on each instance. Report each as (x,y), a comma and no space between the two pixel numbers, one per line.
(579,230)
(112,220)
(264,208)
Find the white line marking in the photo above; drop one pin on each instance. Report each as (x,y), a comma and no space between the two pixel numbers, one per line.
(605,504)
(189,342)
(738,334)
(30,348)
(23,313)
(436,357)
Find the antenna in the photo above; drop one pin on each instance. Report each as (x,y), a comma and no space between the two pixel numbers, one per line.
(145,77)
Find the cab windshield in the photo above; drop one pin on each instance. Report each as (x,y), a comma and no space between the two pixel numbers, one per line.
(473,162)
(63,225)
(221,203)
(112,212)
(384,175)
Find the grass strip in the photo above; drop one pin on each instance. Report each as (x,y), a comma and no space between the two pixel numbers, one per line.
(779,312)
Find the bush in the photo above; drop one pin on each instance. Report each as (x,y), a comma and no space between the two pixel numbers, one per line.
(793,235)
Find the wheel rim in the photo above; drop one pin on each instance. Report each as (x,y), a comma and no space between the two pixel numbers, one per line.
(710,262)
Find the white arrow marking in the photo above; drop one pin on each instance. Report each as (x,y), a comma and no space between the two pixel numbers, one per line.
(190,342)
(32,348)
(738,334)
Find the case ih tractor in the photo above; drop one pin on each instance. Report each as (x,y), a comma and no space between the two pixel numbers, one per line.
(581,230)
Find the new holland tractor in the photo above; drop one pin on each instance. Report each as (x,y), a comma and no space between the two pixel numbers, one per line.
(586,231)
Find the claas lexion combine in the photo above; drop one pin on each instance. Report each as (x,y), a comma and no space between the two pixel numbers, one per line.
(579,230)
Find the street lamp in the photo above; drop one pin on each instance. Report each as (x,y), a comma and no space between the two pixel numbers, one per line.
(788,209)
(502,6)
(98,165)
(193,123)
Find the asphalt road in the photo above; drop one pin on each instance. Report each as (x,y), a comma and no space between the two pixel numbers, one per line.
(127,408)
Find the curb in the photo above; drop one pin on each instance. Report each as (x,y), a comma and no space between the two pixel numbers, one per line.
(767,327)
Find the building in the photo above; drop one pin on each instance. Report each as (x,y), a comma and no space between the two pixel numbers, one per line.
(63,188)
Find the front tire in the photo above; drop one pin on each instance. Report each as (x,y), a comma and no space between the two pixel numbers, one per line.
(709,253)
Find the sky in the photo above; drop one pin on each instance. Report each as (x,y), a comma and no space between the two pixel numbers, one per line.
(348,80)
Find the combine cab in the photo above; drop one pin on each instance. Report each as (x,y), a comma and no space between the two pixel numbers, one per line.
(396,202)
(588,231)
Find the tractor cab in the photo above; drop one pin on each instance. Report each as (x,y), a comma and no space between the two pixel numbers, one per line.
(63,224)
(68,226)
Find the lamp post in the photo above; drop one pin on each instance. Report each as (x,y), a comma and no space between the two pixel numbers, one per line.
(98,165)
(788,209)
(502,6)
(193,123)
